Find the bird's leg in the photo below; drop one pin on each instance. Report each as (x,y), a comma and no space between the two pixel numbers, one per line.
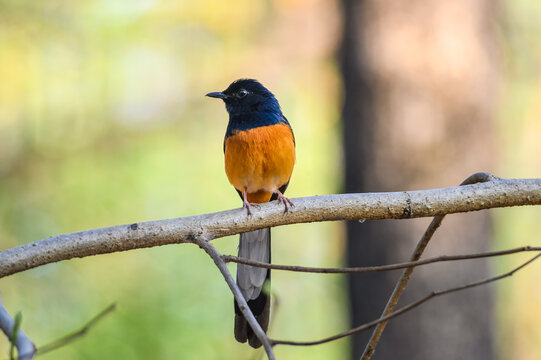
(247,204)
(284,200)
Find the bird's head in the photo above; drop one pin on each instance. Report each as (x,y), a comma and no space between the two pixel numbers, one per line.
(247,95)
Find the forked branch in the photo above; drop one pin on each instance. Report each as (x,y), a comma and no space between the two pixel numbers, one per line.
(239,298)
(492,193)
(406,275)
(396,205)
(404,309)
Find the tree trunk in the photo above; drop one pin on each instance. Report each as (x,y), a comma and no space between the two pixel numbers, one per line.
(420,82)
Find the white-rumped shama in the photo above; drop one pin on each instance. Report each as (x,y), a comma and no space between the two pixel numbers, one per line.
(259,150)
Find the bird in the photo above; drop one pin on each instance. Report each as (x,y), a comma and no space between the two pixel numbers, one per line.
(259,154)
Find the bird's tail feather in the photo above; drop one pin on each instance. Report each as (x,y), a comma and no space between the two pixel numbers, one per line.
(254,284)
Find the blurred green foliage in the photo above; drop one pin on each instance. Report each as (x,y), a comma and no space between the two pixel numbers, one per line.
(518,312)
(103,121)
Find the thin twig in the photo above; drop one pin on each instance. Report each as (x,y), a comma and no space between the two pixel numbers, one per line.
(76,334)
(404,309)
(25,346)
(353,270)
(368,206)
(205,244)
(406,275)
(14,333)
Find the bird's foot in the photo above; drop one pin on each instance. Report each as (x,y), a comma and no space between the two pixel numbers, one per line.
(248,206)
(284,200)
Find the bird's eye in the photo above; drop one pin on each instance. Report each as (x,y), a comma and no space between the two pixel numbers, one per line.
(242,93)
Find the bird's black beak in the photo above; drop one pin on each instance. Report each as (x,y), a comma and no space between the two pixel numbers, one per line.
(218,95)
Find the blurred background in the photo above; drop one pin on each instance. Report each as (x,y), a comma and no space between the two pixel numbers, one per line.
(103,121)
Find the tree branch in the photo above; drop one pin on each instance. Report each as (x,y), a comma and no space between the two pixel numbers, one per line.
(395,205)
(406,275)
(495,192)
(353,270)
(404,309)
(239,298)
(25,346)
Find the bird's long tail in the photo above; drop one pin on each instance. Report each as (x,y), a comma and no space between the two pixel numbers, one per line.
(254,284)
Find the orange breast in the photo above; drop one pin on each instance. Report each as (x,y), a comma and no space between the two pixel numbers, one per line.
(260,160)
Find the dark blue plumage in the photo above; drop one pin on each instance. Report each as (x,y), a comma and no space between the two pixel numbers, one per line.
(249,105)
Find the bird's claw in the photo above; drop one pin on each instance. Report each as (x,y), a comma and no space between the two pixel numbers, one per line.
(248,206)
(284,201)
